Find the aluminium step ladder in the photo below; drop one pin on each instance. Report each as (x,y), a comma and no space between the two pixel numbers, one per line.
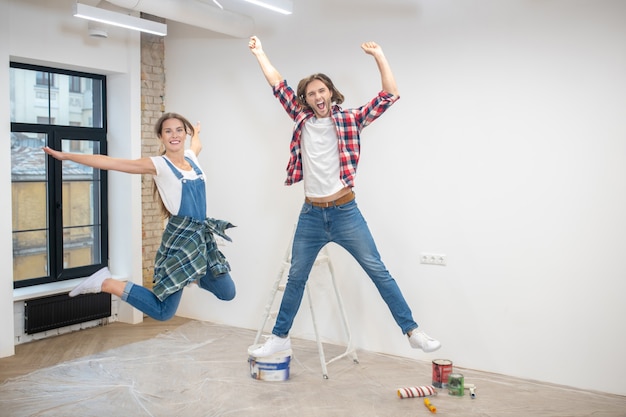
(322,260)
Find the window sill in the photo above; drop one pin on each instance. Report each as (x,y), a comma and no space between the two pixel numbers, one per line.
(43,290)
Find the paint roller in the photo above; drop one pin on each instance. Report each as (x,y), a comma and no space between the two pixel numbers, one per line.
(420,391)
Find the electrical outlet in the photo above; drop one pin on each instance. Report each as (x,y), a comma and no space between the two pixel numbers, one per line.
(433,259)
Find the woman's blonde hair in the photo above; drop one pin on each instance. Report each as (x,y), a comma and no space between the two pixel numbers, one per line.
(158,128)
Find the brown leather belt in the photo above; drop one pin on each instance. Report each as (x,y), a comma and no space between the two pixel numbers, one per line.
(338,202)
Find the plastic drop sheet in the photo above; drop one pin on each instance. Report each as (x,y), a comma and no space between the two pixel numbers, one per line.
(198,369)
(202,369)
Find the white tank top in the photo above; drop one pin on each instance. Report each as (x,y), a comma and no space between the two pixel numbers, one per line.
(320,158)
(170,187)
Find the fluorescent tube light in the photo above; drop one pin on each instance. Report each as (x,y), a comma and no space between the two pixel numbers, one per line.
(280,6)
(119,19)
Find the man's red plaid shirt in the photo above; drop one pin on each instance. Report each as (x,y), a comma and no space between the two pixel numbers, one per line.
(349,124)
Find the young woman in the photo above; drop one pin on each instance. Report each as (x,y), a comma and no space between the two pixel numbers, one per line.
(185,255)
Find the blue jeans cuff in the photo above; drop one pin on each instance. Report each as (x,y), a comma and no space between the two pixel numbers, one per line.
(127,288)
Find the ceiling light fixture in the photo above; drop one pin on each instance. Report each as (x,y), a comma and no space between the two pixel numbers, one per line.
(119,19)
(280,6)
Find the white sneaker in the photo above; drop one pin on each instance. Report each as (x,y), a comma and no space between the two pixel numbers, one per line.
(272,345)
(420,340)
(92,284)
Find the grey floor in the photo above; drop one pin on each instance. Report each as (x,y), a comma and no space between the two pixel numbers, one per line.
(202,369)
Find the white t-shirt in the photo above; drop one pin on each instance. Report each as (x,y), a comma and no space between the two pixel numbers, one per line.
(170,188)
(320,158)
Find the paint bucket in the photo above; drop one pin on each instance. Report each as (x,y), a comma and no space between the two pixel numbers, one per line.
(456,384)
(442,368)
(270,368)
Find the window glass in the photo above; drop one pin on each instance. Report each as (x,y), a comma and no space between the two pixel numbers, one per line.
(60,99)
(29,198)
(81,200)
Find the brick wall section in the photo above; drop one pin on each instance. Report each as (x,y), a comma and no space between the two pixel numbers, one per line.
(152,107)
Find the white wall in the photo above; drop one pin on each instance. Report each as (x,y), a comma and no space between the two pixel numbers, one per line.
(46,33)
(506,153)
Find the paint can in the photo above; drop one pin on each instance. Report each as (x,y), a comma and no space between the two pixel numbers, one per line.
(442,368)
(456,383)
(271,368)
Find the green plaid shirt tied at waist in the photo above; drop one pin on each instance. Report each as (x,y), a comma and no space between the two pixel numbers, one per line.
(188,248)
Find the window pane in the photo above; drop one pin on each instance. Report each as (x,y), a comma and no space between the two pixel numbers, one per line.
(81,207)
(80,246)
(28,161)
(30,206)
(29,95)
(74,104)
(30,255)
(65,100)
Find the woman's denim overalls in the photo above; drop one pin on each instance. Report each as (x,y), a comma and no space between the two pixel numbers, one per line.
(193,204)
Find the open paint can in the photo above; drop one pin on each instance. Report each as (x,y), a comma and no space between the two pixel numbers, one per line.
(270,368)
(442,368)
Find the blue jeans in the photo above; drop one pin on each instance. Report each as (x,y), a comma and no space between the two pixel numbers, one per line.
(345,226)
(144,300)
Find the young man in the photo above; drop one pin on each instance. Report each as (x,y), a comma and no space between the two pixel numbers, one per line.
(325,150)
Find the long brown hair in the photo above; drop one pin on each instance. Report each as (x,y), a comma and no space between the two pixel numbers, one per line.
(158,128)
(336,96)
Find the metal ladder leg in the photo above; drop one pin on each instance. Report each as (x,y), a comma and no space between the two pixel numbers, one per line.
(350,349)
(320,347)
(275,288)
